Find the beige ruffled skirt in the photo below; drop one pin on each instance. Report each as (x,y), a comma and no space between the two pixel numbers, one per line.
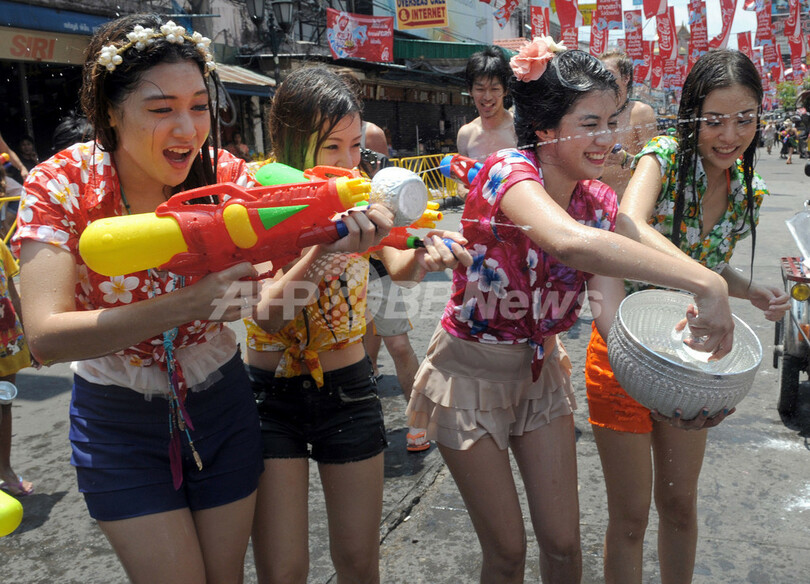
(466,390)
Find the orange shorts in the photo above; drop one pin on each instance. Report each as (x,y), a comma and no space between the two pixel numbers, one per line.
(609,406)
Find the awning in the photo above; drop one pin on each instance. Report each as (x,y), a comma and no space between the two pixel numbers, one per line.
(419,49)
(240,81)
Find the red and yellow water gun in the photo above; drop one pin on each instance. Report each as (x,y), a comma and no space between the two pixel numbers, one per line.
(401,238)
(258,224)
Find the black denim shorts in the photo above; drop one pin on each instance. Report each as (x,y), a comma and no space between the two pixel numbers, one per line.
(337,423)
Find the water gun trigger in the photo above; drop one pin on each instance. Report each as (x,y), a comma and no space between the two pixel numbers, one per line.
(327,172)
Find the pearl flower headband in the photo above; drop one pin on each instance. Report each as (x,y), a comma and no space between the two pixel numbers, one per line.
(140,38)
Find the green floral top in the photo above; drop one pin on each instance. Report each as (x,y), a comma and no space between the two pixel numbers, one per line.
(714,251)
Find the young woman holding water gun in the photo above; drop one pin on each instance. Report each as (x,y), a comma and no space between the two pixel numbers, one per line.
(164,429)
(495,376)
(692,198)
(314,384)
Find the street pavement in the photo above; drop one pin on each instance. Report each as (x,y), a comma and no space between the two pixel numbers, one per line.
(753,500)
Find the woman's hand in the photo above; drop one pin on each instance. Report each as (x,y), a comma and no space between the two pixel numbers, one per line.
(367,226)
(773,301)
(710,323)
(621,158)
(700,422)
(437,256)
(224,296)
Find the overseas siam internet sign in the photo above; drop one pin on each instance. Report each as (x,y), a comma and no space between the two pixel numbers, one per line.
(421,14)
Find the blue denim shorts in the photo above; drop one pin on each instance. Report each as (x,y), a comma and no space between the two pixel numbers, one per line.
(337,423)
(120,447)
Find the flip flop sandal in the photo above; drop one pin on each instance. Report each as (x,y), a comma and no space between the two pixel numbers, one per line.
(16,489)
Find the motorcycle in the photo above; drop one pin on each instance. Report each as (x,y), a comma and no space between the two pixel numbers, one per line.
(792,333)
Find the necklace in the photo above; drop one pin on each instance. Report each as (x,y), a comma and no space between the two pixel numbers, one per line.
(179,420)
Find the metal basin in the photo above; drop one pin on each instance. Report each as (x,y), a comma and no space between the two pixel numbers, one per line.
(653,365)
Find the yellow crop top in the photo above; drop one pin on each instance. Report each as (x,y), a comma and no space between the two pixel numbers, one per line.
(336,319)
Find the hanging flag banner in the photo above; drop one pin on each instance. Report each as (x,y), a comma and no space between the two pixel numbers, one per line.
(764,26)
(792,24)
(777,70)
(744,44)
(727,8)
(355,36)
(421,14)
(671,74)
(610,11)
(699,39)
(633,36)
(667,39)
(502,13)
(657,72)
(569,35)
(568,13)
(599,35)
(654,8)
(760,68)
(796,56)
(540,21)
(642,70)
(770,56)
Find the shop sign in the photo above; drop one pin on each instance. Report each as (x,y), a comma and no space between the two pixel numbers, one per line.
(421,14)
(17,44)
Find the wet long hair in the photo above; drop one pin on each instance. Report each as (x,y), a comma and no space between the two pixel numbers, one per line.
(307,106)
(103,90)
(714,70)
(542,103)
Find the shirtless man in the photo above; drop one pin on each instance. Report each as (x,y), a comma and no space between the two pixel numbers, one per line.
(637,124)
(487,77)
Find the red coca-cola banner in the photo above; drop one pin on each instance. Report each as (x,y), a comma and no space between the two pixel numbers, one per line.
(354,36)
(654,8)
(633,36)
(744,44)
(599,35)
(793,24)
(727,8)
(667,38)
(540,21)
(611,12)
(764,26)
(568,13)
(642,69)
(657,73)
(699,39)
(796,53)
(569,35)
(777,69)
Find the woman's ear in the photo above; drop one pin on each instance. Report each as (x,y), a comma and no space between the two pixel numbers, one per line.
(545,135)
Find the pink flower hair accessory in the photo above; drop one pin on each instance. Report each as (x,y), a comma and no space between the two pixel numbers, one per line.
(533,58)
